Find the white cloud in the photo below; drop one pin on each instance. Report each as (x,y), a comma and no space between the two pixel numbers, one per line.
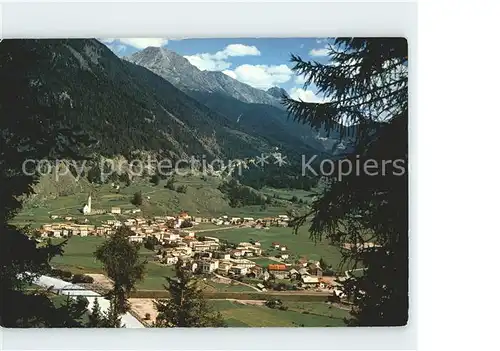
(300,79)
(305,95)
(206,62)
(261,76)
(218,61)
(230,73)
(322,52)
(138,43)
(241,50)
(117,48)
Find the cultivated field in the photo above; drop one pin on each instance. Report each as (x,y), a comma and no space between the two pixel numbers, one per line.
(253,313)
(299,314)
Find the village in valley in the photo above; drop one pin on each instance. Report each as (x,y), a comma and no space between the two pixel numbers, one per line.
(185,237)
(146,189)
(251,262)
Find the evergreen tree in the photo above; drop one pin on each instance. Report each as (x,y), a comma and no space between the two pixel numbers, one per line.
(123,177)
(241,195)
(122,264)
(366,91)
(31,129)
(186,306)
(182,189)
(150,242)
(94,175)
(96,319)
(323,264)
(137,199)
(112,317)
(72,311)
(155,179)
(170,183)
(186,224)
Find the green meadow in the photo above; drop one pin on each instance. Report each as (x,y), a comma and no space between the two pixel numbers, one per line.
(79,257)
(306,314)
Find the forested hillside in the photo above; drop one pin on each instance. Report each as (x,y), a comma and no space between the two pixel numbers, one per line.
(123,106)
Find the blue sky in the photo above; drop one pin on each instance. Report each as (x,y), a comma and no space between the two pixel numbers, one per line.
(261,63)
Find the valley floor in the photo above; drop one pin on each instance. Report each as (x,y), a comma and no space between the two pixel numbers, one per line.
(253,313)
(240,303)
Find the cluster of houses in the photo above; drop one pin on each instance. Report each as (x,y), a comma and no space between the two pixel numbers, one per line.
(142,227)
(280,221)
(157,226)
(58,230)
(308,273)
(204,254)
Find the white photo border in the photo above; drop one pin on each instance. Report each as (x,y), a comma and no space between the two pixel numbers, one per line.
(69,19)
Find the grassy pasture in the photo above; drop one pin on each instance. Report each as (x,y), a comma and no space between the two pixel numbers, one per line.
(239,315)
(78,257)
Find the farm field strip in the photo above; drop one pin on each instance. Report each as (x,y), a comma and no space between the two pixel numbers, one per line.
(238,314)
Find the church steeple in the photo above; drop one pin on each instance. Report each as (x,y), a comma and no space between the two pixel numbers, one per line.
(89,203)
(87,209)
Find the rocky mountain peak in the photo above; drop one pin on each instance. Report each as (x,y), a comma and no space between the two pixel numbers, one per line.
(277,92)
(185,76)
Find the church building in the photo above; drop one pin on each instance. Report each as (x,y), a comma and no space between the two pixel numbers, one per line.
(87,209)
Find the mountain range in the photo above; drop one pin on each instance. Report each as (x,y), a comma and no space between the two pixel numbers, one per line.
(123,106)
(256,111)
(168,107)
(177,70)
(155,101)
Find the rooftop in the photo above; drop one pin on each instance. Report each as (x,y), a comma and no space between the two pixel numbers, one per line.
(277,267)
